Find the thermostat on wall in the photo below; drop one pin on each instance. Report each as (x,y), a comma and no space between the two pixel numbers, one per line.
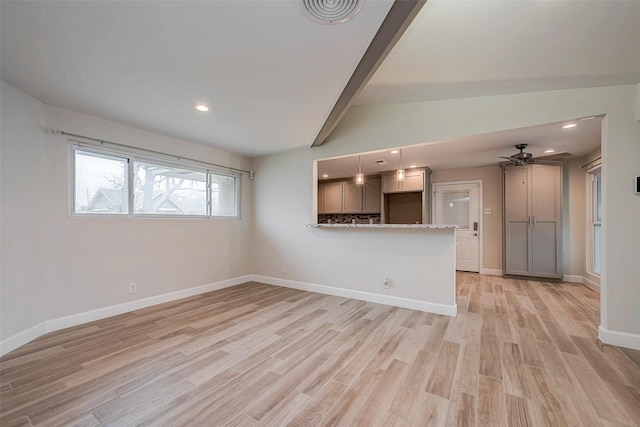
(637,184)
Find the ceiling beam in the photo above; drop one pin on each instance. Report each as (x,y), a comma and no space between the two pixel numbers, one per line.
(394,25)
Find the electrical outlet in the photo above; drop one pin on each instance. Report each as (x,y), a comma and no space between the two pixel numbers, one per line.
(132,288)
(387,283)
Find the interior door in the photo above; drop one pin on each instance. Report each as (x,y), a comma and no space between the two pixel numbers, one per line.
(459,204)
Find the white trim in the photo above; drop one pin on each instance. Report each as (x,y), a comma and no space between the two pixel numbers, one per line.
(582,280)
(591,284)
(47,326)
(52,325)
(620,339)
(491,271)
(572,279)
(430,307)
(21,338)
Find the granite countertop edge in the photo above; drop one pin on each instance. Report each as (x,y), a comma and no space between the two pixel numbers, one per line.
(375,226)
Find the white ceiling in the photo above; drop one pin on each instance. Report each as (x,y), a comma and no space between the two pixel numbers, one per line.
(473,151)
(473,48)
(272,76)
(269,74)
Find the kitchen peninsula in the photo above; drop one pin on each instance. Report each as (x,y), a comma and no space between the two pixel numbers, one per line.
(404,265)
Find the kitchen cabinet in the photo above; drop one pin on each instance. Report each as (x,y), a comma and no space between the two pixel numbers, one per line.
(351,197)
(533,215)
(330,194)
(372,192)
(413,181)
(345,196)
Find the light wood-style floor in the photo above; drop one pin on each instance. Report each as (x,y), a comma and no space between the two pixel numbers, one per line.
(518,353)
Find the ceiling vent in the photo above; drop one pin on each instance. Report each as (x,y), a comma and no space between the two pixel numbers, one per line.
(381,162)
(330,11)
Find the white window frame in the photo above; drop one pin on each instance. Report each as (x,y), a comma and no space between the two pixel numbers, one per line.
(130,158)
(592,221)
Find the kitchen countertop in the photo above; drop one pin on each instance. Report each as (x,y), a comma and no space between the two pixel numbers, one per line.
(404,226)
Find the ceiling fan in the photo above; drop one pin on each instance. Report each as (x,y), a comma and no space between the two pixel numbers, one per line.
(522,158)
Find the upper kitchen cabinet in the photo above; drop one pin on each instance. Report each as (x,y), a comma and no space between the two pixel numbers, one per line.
(371,192)
(532,215)
(351,197)
(345,196)
(330,197)
(414,180)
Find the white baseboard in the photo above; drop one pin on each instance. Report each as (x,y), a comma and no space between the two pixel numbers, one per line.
(583,280)
(51,325)
(591,284)
(491,271)
(572,279)
(430,307)
(620,339)
(21,338)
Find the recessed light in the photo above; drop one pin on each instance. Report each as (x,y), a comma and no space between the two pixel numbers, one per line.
(325,176)
(587,118)
(549,151)
(201,107)
(395,152)
(569,126)
(412,166)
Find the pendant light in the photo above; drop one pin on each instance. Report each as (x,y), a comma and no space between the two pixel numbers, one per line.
(400,172)
(359,176)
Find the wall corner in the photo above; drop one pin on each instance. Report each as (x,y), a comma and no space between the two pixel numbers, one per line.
(638,102)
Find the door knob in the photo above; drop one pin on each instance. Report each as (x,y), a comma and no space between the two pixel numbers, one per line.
(475,234)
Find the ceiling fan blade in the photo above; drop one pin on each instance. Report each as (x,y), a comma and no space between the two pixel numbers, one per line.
(547,162)
(508,158)
(557,156)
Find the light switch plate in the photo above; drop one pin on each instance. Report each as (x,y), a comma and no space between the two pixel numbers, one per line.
(487,211)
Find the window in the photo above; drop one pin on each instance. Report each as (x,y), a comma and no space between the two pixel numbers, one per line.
(166,190)
(100,184)
(223,195)
(122,184)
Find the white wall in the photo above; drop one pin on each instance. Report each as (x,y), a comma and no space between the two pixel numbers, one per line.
(420,263)
(22,296)
(55,266)
(369,128)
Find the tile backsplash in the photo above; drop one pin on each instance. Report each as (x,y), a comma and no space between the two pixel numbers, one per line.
(349,218)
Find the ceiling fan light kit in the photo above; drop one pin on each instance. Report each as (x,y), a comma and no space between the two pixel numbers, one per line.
(522,158)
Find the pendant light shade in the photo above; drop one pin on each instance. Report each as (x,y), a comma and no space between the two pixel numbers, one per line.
(359,175)
(400,172)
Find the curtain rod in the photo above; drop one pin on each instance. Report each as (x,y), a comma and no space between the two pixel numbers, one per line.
(117,144)
(591,162)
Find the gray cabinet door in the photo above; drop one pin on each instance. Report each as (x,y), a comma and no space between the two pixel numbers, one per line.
(351,197)
(413,181)
(532,215)
(372,199)
(546,213)
(332,197)
(516,214)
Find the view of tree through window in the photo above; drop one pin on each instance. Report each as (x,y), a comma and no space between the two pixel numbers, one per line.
(164,190)
(101,186)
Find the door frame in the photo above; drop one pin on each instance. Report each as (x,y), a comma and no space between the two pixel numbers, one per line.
(480,213)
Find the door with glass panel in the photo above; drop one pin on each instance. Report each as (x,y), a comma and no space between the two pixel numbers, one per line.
(458,203)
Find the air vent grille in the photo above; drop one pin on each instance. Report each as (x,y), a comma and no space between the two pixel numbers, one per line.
(330,11)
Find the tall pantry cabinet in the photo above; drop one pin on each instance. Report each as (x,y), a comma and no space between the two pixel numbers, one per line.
(533,221)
